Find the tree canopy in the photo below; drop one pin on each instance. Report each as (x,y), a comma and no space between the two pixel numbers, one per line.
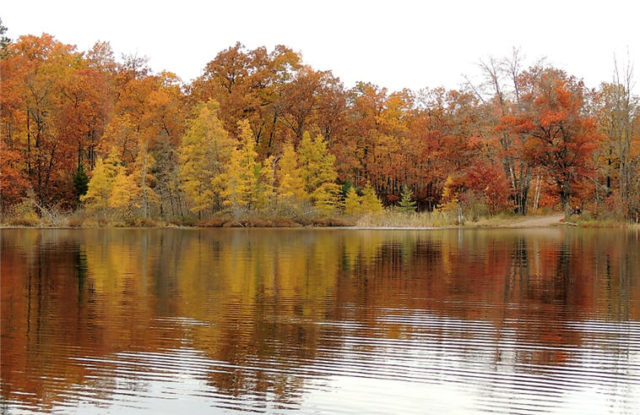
(260,129)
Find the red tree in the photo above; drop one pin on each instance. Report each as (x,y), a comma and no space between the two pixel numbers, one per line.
(559,137)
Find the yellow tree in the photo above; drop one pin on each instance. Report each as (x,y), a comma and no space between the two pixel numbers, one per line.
(143,179)
(204,153)
(370,203)
(101,184)
(124,194)
(249,183)
(352,203)
(319,173)
(265,189)
(241,176)
(291,184)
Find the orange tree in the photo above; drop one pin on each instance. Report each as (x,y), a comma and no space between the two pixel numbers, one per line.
(559,137)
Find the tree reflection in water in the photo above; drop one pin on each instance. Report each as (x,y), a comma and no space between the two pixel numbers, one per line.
(260,319)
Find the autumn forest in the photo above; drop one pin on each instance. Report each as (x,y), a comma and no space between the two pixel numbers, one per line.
(261,134)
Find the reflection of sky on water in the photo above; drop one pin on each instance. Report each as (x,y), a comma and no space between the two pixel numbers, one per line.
(453,371)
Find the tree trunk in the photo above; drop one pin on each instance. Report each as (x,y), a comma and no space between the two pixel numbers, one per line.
(145,200)
(565,198)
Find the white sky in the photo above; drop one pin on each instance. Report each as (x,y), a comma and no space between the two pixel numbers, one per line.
(392,43)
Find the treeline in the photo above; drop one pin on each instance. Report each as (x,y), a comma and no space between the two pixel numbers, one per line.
(259,132)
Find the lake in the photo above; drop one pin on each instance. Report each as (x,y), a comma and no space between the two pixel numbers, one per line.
(319,321)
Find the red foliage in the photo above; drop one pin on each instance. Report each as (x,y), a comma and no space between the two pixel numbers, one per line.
(491,181)
(13,181)
(559,138)
(62,108)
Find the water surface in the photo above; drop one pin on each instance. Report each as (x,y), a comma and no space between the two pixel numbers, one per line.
(543,321)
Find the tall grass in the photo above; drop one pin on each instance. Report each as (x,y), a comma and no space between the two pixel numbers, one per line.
(390,218)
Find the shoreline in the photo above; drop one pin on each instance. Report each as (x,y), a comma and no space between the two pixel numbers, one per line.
(529,222)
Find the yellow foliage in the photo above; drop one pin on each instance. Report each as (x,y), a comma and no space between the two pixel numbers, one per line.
(325,197)
(319,173)
(144,180)
(101,183)
(369,200)
(291,186)
(204,154)
(449,198)
(265,188)
(242,172)
(124,194)
(352,203)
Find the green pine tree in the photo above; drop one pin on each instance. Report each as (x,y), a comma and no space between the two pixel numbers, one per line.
(407,204)
(80,182)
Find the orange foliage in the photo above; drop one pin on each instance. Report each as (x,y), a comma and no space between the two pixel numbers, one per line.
(63,108)
(559,138)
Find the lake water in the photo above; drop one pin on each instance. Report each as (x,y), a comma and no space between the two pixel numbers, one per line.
(540,321)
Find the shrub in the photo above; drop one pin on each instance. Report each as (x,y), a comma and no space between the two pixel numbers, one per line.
(24,214)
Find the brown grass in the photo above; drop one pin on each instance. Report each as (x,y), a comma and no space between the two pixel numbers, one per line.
(24,221)
(393,219)
(278,222)
(605,223)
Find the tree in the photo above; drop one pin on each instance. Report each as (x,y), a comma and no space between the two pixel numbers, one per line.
(319,173)
(489,182)
(14,184)
(166,172)
(248,85)
(325,197)
(144,179)
(4,40)
(291,184)
(203,155)
(101,184)
(302,98)
(352,203)
(249,182)
(559,137)
(618,111)
(80,182)
(265,189)
(241,177)
(36,75)
(282,133)
(124,193)
(369,200)
(498,74)
(407,204)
